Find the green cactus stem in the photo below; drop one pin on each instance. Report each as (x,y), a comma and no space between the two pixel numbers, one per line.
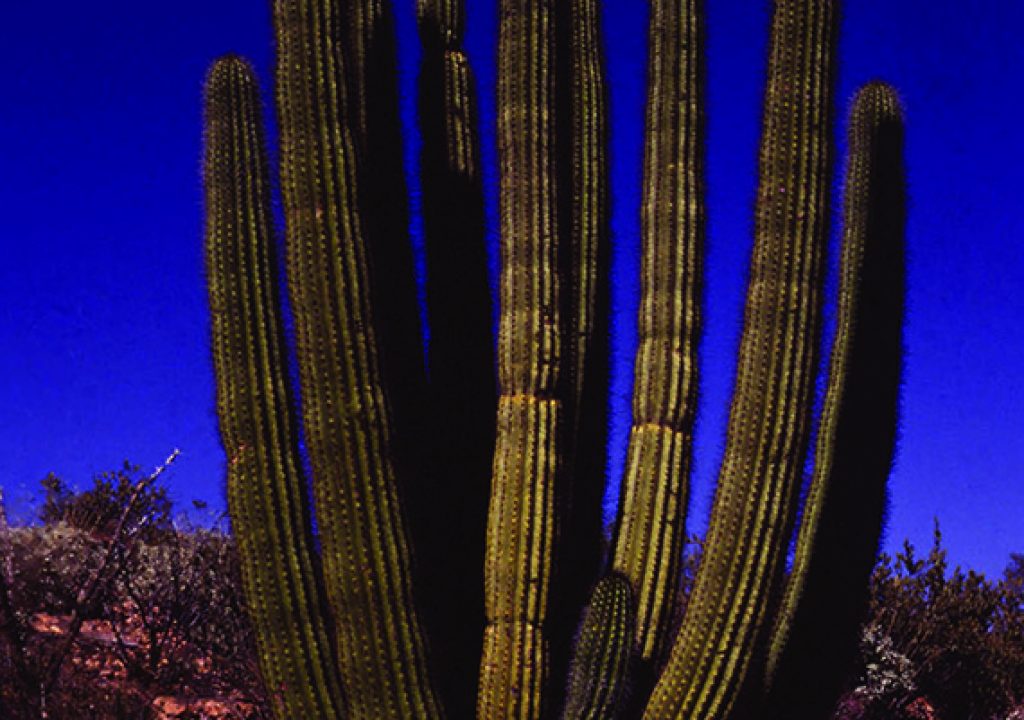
(758,487)
(500,488)
(366,559)
(651,529)
(816,631)
(266,488)
(583,202)
(527,456)
(598,676)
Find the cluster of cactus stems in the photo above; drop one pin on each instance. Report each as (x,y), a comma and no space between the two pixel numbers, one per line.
(457,497)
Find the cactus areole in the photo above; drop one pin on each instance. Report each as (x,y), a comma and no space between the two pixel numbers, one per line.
(457,513)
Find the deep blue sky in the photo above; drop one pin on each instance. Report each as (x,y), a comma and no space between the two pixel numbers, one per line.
(103,325)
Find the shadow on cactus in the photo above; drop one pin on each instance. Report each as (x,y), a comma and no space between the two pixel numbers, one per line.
(458,520)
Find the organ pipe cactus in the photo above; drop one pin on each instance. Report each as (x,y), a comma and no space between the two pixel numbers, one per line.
(600,667)
(383,622)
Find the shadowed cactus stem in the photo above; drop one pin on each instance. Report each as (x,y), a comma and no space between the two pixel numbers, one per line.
(815,631)
(650,532)
(266,490)
(599,672)
(490,464)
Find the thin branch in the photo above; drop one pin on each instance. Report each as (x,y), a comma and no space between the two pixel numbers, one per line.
(87,593)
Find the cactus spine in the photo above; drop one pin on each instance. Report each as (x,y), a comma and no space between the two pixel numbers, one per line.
(769,420)
(600,666)
(651,528)
(745,635)
(814,633)
(521,519)
(266,492)
(365,553)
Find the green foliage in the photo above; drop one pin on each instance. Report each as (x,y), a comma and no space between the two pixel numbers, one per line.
(108,604)
(947,635)
(98,509)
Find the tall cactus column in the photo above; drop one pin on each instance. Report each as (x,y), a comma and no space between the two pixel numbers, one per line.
(816,632)
(521,518)
(585,249)
(769,421)
(366,559)
(266,487)
(651,528)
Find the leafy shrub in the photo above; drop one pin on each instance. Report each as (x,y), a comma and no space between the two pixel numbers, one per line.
(951,637)
(99,508)
(134,607)
(49,564)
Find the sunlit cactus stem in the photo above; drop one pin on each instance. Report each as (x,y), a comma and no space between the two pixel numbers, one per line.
(817,628)
(366,557)
(650,532)
(726,618)
(266,488)
(521,521)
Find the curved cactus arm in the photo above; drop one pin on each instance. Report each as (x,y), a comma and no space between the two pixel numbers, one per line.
(769,420)
(651,529)
(527,457)
(599,674)
(816,630)
(365,553)
(266,488)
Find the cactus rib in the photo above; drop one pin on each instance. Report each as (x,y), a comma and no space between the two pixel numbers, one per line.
(527,458)
(364,548)
(651,528)
(266,489)
(769,420)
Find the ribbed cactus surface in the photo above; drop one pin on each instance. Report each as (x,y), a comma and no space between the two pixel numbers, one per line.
(770,417)
(521,525)
(266,488)
(406,463)
(599,674)
(651,525)
(815,630)
(365,553)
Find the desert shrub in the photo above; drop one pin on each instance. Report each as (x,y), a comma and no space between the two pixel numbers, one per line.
(164,615)
(950,638)
(49,564)
(184,596)
(99,508)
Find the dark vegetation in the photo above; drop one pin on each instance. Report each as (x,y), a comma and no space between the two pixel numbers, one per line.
(110,607)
